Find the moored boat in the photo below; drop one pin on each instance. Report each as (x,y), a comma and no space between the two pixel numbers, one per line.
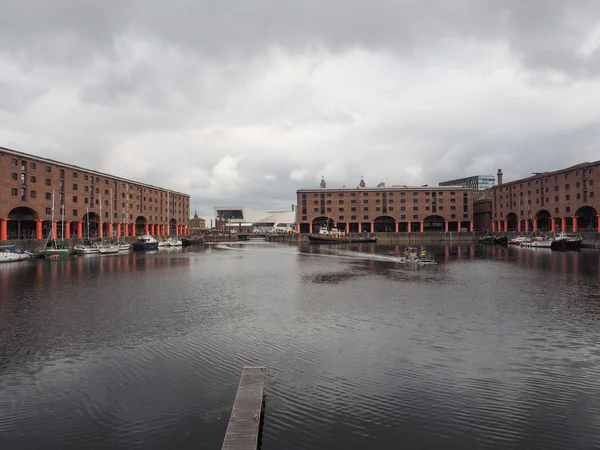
(566,241)
(334,236)
(10,253)
(146,242)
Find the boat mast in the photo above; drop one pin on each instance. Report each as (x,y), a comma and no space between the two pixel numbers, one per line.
(87,215)
(100,198)
(111,213)
(51,222)
(168,222)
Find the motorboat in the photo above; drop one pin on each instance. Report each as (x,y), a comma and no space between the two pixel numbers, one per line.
(10,253)
(145,242)
(164,243)
(334,236)
(412,255)
(491,239)
(124,246)
(108,249)
(174,242)
(566,241)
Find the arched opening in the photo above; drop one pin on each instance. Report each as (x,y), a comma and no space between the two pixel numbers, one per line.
(318,222)
(91,223)
(304,228)
(543,220)
(434,223)
(512,221)
(140,225)
(172,226)
(385,224)
(587,218)
(21,223)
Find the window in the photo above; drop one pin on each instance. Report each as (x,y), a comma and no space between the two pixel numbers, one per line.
(366,217)
(32,179)
(32,194)
(415,208)
(578,196)
(48,181)
(106,193)
(74,187)
(86,200)
(32,166)
(366,208)
(592,194)
(62,174)
(341,209)
(75,212)
(365,201)
(14,192)
(74,199)
(377,209)
(353,194)
(352,209)
(316,210)
(341,217)
(97,180)
(353,217)
(415,200)
(48,196)
(556,198)
(14,176)
(14,162)
(453,216)
(365,194)
(566,186)
(415,216)
(48,211)
(85,177)
(567,197)
(555,210)
(568,209)
(47,169)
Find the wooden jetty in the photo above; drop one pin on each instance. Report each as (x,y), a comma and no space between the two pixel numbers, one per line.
(244,424)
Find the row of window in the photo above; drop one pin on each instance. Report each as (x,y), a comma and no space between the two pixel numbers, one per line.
(556,188)
(584,172)
(402,217)
(391,209)
(377,202)
(556,199)
(48,169)
(378,194)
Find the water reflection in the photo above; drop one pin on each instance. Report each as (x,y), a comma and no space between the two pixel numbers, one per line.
(493,347)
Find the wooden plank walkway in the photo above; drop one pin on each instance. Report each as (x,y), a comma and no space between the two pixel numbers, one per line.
(244,424)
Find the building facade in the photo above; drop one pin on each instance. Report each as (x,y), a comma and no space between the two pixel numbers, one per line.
(482,210)
(563,200)
(475,182)
(89,203)
(385,209)
(246,220)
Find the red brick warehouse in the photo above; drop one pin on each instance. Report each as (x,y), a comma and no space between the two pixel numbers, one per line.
(563,200)
(386,209)
(94,203)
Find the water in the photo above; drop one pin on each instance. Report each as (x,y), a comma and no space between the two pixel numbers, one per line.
(491,348)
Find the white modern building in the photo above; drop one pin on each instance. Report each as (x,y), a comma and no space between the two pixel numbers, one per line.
(236,217)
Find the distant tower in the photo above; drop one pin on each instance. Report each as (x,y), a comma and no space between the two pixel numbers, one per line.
(362,183)
(323,184)
(499,175)
(195,215)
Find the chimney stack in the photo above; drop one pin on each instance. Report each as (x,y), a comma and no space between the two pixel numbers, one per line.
(499,175)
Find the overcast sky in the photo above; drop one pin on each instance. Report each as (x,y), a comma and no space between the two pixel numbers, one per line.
(245,101)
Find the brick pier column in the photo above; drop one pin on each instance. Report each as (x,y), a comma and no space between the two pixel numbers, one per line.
(80,229)
(397,226)
(553,224)
(493,225)
(372,227)
(54,224)
(146,228)
(126,229)
(310,228)
(574,219)
(133,229)
(526,225)
(118,229)
(472,226)
(3,229)
(298,228)
(100,230)
(505,224)
(38,229)
(519,225)
(563,224)
(446,226)
(408,227)
(422,226)
(535,224)
(68,229)
(598,218)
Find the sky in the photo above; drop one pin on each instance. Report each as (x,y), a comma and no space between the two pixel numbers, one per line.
(242,102)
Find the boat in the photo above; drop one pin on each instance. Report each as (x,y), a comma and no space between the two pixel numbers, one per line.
(518,240)
(164,243)
(86,247)
(174,242)
(54,249)
(108,249)
(565,241)
(334,236)
(538,241)
(145,242)
(412,255)
(124,246)
(492,239)
(10,253)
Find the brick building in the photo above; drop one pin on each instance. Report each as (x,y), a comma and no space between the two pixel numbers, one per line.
(563,200)
(94,203)
(482,210)
(385,209)
(197,224)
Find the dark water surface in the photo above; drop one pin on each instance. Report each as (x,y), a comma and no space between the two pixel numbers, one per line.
(491,348)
